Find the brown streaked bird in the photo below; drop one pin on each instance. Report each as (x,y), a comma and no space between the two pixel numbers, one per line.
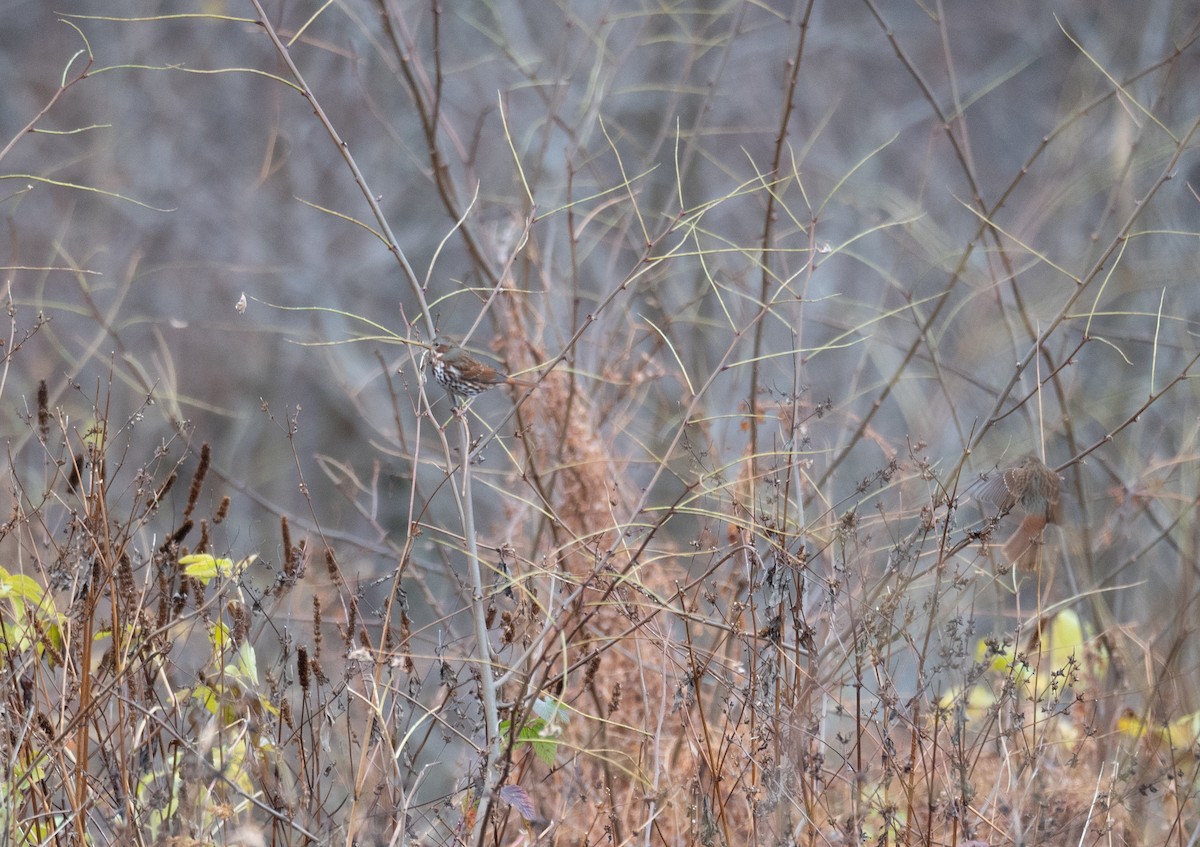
(1030,489)
(463,375)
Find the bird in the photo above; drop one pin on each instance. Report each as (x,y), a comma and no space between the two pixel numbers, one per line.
(463,375)
(1029,488)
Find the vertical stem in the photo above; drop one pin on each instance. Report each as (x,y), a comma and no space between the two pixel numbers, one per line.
(487,679)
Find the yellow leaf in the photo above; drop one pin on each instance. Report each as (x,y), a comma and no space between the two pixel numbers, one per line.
(205,567)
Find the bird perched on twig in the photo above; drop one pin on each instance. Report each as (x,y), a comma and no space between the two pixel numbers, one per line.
(463,375)
(1030,489)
